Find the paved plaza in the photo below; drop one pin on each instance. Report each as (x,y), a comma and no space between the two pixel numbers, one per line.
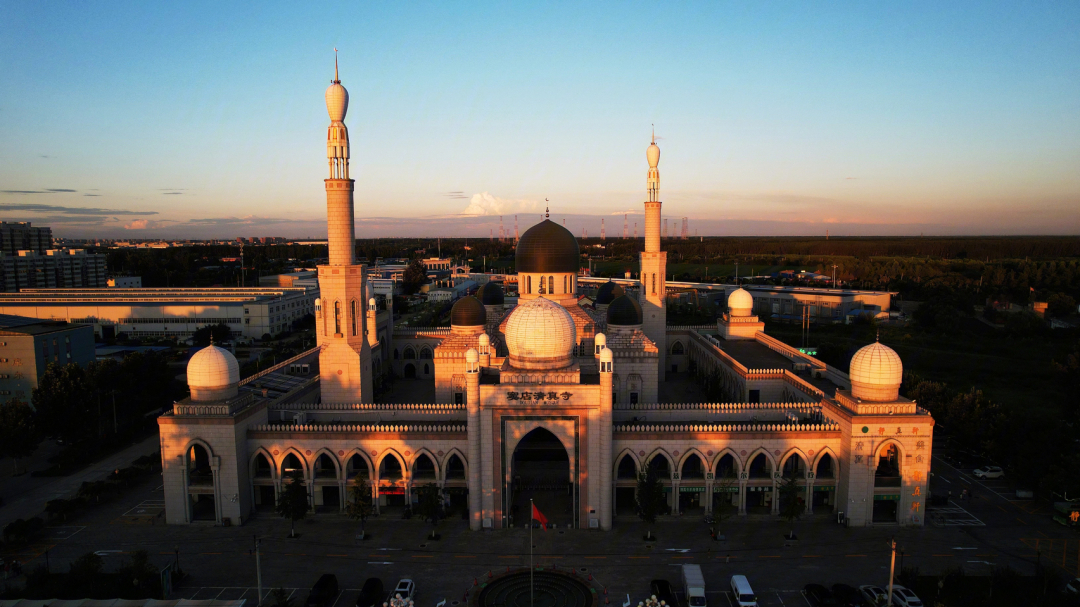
(993,529)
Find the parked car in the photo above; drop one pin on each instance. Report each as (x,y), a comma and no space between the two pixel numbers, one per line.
(662,590)
(874,595)
(406,588)
(324,592)
(371,594)
(989,472)
(902,597)
(741,592)
(848,596)
(1073,587)
(819,596)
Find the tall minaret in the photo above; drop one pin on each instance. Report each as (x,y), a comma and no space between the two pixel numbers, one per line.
(654,264)
(345,358)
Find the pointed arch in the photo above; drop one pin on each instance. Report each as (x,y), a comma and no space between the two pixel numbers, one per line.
(832,456)
(423,452)
(677,348)
(333,459)
(397,456)
(618,462)
(252,470)
(701,457)
(715,463)
(357,452)
(795,452)
(305,467)
(885,443)
(769,460)
(659,451)
(200,442)
(444,466)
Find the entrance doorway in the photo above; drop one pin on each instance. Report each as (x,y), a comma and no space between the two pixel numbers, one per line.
(885,508)
(410,371)
(540,470)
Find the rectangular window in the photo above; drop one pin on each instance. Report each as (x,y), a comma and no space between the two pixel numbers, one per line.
(633,398)
(755,396)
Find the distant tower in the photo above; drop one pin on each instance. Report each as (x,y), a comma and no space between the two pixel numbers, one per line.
(345,357)
(665,228)
(625,232)
(491,234)
(685,230)
(635,230)
(603,230)
(515,230)
(654,264)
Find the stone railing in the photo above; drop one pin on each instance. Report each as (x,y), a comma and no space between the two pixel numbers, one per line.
(802,384)
(719,353)
(280,365)
(787,351)
(719,407)
(828,426)
(414,331)
(691,327)
(886,409)
(227,407)
(372,407)
(389,428)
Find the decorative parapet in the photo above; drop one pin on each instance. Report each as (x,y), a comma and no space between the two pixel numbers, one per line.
(417,331)
(372,407)
(720,407)
(709,342)
(787,351)
(280,365)
(691,327)
(828,426)
(224,407)
(859,407)
(383,428)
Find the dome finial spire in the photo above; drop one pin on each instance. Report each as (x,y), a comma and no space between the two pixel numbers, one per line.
(653,126)
(337,80)
(547,209)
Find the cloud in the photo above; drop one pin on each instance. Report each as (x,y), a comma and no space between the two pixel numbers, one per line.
(43,191)
(44,156)
(173,193)
(88,211)
(250,220)
(91,194)
(58,190)
(456,195)
(486,204)
(138,224)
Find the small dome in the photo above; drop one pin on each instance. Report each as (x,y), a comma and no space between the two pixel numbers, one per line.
(606,356)
(491,294)
(337,102)
(540,335)
(547,247)
(213,374)
(371,302)
(740,302)
(484,340)
(653,154)
(624,311)
(472,356)
(600,340)
(468,312)
(608,292)
(876,373)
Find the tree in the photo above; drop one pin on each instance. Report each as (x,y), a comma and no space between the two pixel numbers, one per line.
(429,504)
(650,496)
(279,597)
(293,501)
(18,434)
(360,505)
(219,333)
(724,483)
(791,498)
(413,278)
(62,402)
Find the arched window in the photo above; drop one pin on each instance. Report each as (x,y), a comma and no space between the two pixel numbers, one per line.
(410,354)
(565,285)
(425,354)
(543,286)
(423,468)
(337,318)
(427,369)
(627,468)
(677,348)
(355,315)
(654,284)
(528,284)
(551,285)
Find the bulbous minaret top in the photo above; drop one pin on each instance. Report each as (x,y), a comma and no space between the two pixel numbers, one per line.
(653,154)
(337,136)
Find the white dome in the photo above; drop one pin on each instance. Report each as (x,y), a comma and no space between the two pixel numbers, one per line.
(653,154)
(740,302)
(213,374)
(472,356)
(876,373)
(600,340)
(337,102)
(540,335)
(606,356)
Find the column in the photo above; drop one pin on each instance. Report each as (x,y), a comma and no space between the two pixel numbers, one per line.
(472,404)
(742,497)
(675,494)
(775,496)
(607,488)
(810,493)
(708,493)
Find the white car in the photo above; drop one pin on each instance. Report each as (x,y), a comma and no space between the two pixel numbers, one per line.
(905,598)
(875,595)
(406,588)
(989,472)
(1073,587)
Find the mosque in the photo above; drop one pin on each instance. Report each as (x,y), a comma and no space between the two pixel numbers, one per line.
(545,398)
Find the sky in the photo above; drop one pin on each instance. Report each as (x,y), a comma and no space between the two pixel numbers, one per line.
(207,119)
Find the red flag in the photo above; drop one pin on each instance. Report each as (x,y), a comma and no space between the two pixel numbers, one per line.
(537,515)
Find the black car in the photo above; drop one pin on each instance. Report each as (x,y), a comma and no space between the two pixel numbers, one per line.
(819,596)
(371,594)
(662,590)
(324,592)
(848,596)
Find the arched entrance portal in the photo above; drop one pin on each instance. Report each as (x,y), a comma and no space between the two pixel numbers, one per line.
(540,470)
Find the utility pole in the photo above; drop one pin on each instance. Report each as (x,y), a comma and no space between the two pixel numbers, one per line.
(892,569)
(834,276)
(258,571)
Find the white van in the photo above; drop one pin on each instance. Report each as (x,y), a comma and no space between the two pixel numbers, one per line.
(743,594)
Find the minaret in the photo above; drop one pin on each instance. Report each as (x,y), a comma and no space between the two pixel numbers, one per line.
(654,264)
(345,358)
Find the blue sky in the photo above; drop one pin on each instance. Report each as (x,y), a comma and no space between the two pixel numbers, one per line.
(201,120)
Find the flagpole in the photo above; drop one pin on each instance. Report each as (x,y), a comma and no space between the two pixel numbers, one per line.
(532,510)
